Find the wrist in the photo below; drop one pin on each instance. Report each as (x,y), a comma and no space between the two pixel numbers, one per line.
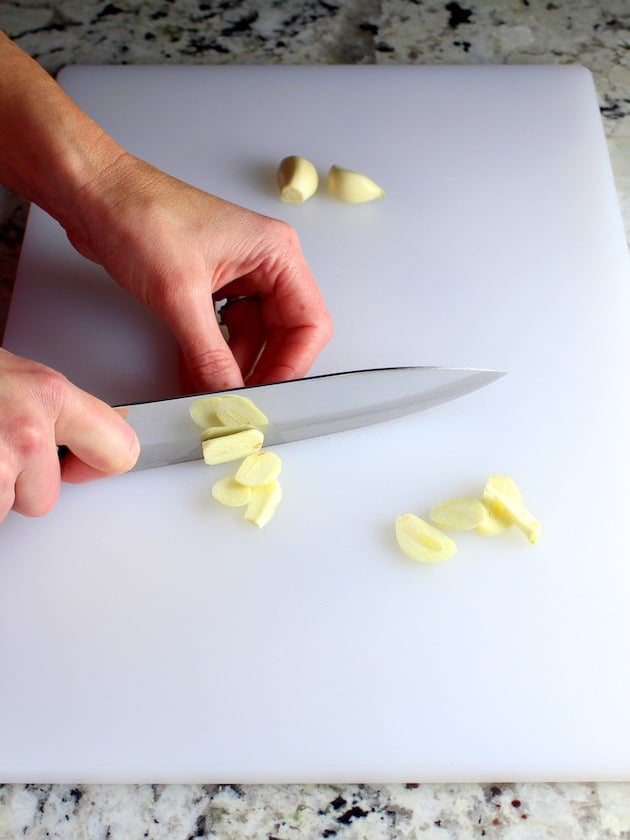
(98,214)
(49,148)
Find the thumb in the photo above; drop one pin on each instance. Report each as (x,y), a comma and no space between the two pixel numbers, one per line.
(100,441)
(210,362)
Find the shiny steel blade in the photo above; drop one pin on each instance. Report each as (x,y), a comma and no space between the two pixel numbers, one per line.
(305,408)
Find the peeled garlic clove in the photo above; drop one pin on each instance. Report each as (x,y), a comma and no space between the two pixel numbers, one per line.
(421,541)
(297,179)
(461,514)
(229,492)
(352,187)
(235,410)
(262,505)
(259,468)
(220,450)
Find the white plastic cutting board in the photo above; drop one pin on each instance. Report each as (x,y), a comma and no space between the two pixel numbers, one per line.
(146,634)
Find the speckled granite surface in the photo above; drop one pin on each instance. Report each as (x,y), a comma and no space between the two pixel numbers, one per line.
(356,812)
(61,32)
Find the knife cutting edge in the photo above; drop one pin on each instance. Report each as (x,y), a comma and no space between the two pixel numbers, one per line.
(304,408)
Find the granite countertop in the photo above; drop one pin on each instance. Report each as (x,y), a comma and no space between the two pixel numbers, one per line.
(61,32)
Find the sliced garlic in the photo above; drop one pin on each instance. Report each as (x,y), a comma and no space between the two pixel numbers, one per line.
(352,187)
(505,502)
(421,541)
(202,411)
(259,468)
(263,503)
(235,410)
(222,431)
(229,492)
(507,486)
(297,179)
(220,450)
(494,523)
(460,514)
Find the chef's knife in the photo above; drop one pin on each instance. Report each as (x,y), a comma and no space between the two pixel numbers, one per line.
(306,408)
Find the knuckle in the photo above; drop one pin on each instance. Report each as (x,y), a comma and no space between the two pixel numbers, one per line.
(55,385)
(326,328)
(291,238)
(215,366)
(50,385)
(29,438)
(284,233)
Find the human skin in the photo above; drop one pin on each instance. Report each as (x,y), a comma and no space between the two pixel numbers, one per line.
(173,247)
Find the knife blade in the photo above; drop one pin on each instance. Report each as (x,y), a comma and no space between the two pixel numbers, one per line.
(304,408)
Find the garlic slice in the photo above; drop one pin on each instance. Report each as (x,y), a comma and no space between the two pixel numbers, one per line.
(505,502)
(421,541)
(262,505)
(460,514)
(259,468)
(220,450)
(236,410)
(229,492)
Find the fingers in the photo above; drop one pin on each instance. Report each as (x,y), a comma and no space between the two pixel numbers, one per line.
(247,335)
(288,354)
(287,318)
(186,384)
(297,327)
(101,443)
(276,333)
(7,489)
(209,360)
(39,410)
(30,486)
(76,471)
(246,341)
(201,245)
